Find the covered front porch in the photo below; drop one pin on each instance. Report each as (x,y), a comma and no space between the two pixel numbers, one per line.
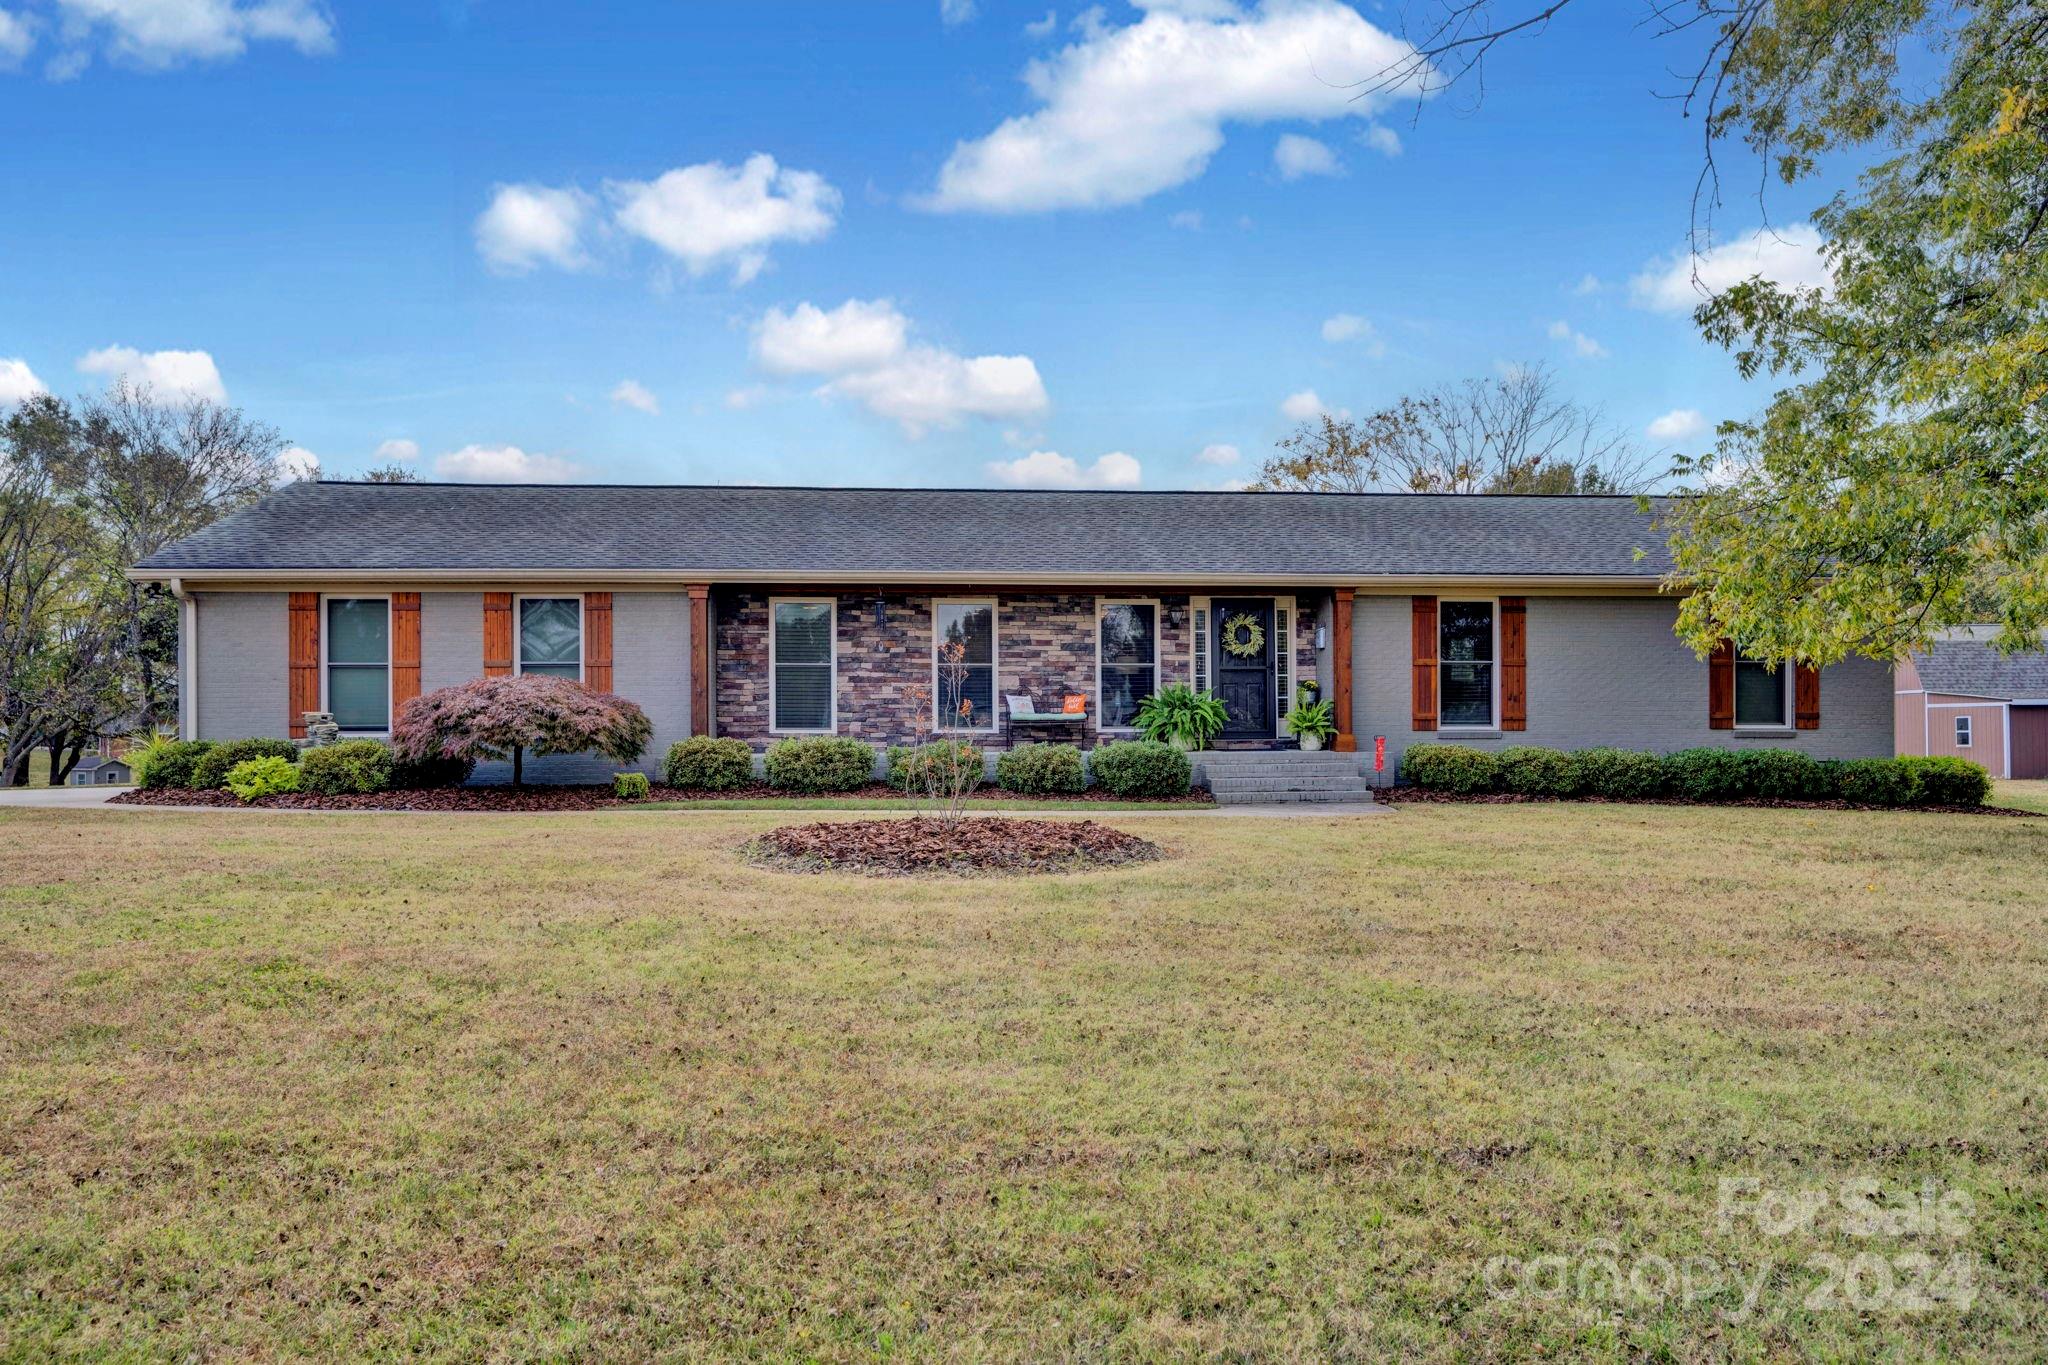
(872,662)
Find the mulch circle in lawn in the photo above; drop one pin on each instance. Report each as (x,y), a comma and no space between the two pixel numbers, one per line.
(978,844)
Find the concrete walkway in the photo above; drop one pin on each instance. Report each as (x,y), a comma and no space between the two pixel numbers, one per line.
(96,798)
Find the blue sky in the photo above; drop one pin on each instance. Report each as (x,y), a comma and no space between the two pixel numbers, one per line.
(898,243)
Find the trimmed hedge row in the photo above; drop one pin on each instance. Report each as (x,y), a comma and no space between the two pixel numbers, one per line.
(1696,775)
(1134,770)
(350,767)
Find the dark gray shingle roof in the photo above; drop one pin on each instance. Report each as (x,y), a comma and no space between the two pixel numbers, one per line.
(1968,666)
(731,531)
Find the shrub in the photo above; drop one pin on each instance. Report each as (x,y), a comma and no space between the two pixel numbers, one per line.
(1535,771)
(631,786)
(263,777)
(1704,775)
(1179,712)
(1875,782)
(706,764)
(170,765)
(514,714)
(428,774)
(1947,781)
(944,765)
(1041,770)
(354,765)
(1617,774)
(1782,775)
(210,772)
(1142,769)
(821,764)
(1450,768)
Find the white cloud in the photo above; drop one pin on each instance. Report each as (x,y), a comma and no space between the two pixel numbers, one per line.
(1340,327)
(1789,257)
(157,34)
(1382,139)
(1218,453)
(399,451)
(1306,406)
(18,383)
(753,395)
(1295,156)
(955,12)
(1679,424)
(632,394)
(1043,28)
(504,464)
(530,224)
(1188,220)
(858,334)
(1579,341)
(170,374)
(1588,284)
(296,463)
(712,215)
(17,36)
(1129,111)
(1050,469)
(863,349)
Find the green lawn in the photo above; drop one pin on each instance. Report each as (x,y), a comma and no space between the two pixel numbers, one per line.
(582,1087)
(2029,795)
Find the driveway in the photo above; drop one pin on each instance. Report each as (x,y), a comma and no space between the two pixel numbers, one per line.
(63,798)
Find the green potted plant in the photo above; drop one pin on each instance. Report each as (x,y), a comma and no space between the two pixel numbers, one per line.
(1180,716)
(1310,722)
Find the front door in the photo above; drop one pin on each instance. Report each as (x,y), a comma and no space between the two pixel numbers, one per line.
(1244,664)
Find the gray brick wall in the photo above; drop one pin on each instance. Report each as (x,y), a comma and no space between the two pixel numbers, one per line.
(242,652)
(242,659)
(1608,670)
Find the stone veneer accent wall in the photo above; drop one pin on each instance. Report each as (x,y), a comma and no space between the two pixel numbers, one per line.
(1045,646)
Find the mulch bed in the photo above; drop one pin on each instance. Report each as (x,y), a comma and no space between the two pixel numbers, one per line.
(574,798)
(1395,796)
(980,844)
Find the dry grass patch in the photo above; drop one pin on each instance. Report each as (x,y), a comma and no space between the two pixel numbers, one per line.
(588,1086)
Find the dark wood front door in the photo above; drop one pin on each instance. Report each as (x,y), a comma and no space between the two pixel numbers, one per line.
(1244,682)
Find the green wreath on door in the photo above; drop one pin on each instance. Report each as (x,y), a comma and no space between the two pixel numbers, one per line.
(1243,636)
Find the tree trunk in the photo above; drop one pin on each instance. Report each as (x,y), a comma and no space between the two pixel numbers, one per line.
(63,758)
(518,766)
(141,658)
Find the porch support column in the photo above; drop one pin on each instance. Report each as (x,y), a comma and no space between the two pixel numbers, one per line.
(703,658)
(1340,669)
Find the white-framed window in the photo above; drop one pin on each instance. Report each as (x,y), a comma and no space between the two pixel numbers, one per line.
(1126,659)
(355,663)
(803,654)
(551,637)
(1283,662)
(1762,695)
(1962,732)
(1468,671)
(964,691)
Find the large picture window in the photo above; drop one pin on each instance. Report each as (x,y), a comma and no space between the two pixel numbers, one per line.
(1465,664)
(1759,693)
(964,684)
(551,637)
(800,638)
(358,639)
(1127,656)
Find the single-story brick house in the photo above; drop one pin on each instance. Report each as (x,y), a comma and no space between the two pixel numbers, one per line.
(762,612)
(1964,698)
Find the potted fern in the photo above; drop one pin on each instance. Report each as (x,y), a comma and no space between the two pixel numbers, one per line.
(1310,722)
(1180,716)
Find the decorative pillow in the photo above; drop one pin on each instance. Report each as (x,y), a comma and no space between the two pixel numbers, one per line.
(1076,704)
(1020,705)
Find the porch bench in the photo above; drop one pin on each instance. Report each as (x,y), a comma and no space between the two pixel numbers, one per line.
(1028,718)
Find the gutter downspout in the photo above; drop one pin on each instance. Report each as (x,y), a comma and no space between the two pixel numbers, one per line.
(188,661)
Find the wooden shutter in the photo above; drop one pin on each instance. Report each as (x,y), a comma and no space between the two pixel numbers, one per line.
(1721,687)
(497,634)
(597,641)
(1806,697)
(1514,663)
(405,650)
(303,686)
(1424,641)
